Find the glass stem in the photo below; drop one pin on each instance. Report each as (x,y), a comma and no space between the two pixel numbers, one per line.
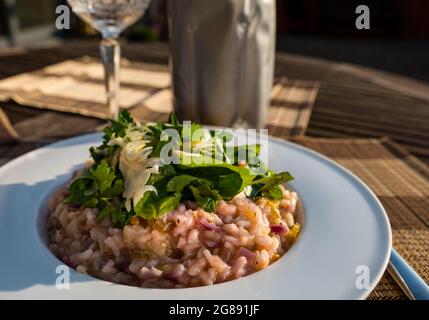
(111,56)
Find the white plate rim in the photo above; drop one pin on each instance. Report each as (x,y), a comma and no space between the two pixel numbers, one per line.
(386,259)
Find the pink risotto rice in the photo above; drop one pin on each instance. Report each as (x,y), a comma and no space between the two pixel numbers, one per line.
(188,247)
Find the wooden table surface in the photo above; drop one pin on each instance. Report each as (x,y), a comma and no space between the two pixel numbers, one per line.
(353,101)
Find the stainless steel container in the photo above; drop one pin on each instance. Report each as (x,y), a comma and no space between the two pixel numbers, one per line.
(222,58)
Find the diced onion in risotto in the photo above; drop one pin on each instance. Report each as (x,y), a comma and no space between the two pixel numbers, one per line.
(187,247)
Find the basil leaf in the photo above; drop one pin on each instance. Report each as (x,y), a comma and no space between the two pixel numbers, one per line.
(178,183)
(168,204)
(146,207)
(267,185)
(151,206)
(274,193)
(227,179)
(91,203)
(205,197)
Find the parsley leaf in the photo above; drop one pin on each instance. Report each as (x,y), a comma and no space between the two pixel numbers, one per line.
(103,176)
(99,187)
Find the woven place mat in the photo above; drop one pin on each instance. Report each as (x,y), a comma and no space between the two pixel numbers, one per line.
(401,182)
(76,86)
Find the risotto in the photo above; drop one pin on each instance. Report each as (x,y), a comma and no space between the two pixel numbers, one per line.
(186,248)
(182,209)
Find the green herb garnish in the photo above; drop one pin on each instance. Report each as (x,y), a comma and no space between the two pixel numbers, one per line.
(213,171)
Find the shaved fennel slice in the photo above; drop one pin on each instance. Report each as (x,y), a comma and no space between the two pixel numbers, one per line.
(136,168)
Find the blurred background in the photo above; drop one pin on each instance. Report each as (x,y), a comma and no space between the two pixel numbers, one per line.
(398,40)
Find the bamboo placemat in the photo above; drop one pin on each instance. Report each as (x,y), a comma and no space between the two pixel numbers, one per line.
(401,182)
(76,86)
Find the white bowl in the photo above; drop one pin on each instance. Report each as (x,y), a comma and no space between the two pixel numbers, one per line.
(341,253)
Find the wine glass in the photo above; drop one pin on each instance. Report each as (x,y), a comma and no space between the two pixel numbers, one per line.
(110,18)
